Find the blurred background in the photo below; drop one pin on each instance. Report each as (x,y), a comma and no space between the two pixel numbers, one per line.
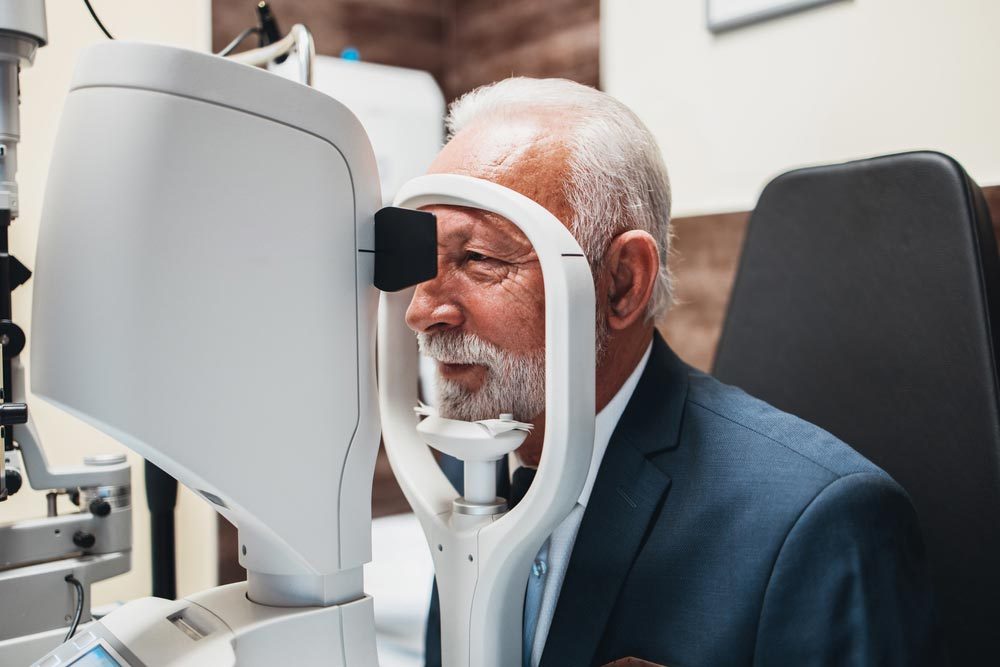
(733,97)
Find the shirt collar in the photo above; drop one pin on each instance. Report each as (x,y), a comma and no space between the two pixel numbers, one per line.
(607,420)
(604,426)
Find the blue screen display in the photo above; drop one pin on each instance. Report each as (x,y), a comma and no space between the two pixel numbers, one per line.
(95,657)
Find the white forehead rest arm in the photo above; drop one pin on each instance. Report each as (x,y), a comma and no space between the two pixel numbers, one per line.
(506,546)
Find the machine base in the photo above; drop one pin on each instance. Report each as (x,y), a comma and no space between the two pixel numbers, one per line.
(222,628)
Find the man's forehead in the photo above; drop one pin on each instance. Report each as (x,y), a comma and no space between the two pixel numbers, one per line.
(527,153)
(457,224)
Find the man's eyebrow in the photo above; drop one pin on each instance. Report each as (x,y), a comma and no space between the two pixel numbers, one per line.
(495,228)
(487,230)
(455,235)
(498,244)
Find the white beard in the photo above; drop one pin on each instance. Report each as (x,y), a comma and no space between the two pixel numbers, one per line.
(514,383)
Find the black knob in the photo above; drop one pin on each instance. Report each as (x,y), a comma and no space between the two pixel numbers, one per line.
(83,540)
(99,507)
(13,481)
(13,413)
(12,338)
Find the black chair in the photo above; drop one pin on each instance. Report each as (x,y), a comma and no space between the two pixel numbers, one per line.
(866,302)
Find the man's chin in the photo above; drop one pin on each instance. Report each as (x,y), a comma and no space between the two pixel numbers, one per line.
(455,401)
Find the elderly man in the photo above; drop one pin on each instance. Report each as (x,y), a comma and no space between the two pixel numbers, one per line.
(713,529)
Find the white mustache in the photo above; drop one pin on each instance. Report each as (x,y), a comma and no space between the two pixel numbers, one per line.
(460,348)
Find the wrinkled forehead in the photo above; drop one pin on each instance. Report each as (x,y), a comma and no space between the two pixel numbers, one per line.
(527,153)
(458,225)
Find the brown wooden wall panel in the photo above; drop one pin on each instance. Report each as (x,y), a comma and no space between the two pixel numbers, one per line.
(706,252)
(463,43)
(494,39)
(992,195)
(405,33)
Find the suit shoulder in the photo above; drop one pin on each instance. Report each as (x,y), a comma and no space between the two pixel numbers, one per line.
(761,431)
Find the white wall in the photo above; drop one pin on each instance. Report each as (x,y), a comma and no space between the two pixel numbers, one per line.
(847,80)
(66,440)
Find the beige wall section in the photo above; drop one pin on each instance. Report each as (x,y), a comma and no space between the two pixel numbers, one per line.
(847,80)
(66,440)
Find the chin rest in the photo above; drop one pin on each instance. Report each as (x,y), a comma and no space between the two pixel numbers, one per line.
(866,302)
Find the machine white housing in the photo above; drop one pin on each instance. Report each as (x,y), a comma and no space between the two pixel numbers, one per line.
(204,295)
(402,111)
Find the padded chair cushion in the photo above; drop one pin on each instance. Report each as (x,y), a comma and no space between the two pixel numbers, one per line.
(866,302)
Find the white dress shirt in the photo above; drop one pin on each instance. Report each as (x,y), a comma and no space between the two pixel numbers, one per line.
(560,544)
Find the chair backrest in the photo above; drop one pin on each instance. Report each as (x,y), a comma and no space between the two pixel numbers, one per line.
(867,302)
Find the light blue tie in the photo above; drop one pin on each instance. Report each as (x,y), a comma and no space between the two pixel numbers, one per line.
(533,601)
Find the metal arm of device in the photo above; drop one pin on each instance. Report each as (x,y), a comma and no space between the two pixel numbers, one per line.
(94,543)
(482,563)
(22,31)
(36,555)
(42,476)
(298,38)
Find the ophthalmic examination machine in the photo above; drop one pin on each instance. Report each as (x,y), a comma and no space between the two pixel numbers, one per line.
(207,293)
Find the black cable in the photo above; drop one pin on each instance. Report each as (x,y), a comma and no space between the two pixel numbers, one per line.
(79,601)
(269,30)
(239,40)
(97,20)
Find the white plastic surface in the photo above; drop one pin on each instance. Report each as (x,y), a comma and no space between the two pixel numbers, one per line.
(479,445)
(482,565)
(222,628)
(199,295)
(471,441)
(399,580)
(402,111)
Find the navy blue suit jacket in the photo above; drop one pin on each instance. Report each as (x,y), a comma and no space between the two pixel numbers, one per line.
(722,531)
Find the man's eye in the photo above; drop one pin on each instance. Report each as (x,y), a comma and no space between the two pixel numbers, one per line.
(471,256)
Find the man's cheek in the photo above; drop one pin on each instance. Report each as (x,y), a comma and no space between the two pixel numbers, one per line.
(515,300)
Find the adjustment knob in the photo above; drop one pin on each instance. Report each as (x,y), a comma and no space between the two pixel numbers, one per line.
(84,540)
(99,507)
(12,338)
(13,481)
(13,413)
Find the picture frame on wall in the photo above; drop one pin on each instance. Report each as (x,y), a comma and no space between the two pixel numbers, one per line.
(723,15)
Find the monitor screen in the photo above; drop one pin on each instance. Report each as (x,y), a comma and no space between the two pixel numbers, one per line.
(96,657)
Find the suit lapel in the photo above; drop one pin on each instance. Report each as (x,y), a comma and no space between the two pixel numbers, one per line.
(628,491)
(610,535)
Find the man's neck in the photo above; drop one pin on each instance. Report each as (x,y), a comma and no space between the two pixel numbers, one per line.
(625,350)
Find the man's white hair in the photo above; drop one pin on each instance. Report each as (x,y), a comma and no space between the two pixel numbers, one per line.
(618,181)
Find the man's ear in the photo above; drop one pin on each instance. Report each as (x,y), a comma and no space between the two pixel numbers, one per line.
(631,266)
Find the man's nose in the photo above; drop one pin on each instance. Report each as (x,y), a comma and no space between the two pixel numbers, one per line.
(432,308)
